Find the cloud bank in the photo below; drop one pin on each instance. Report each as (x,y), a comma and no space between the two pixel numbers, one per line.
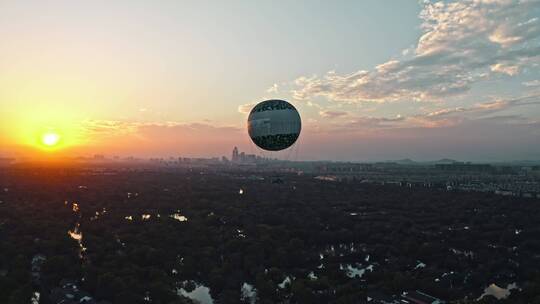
(462,43)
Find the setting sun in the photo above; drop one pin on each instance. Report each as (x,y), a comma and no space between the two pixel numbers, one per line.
(50,139)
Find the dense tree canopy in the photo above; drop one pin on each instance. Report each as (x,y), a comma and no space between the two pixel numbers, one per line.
(146,234)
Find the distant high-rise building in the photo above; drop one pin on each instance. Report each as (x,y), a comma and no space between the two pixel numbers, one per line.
(235,155)
(242,157)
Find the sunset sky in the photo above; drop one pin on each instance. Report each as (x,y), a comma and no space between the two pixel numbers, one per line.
(372,80)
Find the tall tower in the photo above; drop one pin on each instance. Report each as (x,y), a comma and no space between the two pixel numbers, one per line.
(235,155)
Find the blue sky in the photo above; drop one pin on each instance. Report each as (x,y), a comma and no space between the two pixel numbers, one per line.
(373,80)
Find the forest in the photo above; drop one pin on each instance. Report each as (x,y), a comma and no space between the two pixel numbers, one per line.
(143,236)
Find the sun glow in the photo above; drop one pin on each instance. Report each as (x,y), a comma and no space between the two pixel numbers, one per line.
(50,139)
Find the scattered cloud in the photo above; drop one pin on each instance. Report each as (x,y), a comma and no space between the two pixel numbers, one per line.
(98,128)
(375,123)
(463,42)
(444,117)
(332,114)
(477,112)
(532,83)
(246,108)
(111,128)
(273,89)
(508,69)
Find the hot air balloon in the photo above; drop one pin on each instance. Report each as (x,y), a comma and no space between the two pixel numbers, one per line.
(274,125)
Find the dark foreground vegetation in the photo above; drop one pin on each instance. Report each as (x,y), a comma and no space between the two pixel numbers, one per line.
(137,237)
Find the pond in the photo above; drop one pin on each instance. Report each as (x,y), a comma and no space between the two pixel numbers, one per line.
(286,282)
(179,217)
(248,292)
(201,294)
(353,272)
(35,298)
(77,235)
(498,292)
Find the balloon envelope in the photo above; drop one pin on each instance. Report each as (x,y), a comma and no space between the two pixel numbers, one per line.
(274,125)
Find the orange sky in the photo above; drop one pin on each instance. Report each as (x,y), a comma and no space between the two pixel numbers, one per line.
(371,80)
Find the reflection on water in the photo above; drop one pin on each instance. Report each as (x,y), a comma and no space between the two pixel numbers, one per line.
(98,214)
(179,217)
(93,218)
(75,207)
(76,234)
(420,265)
(285,283)
(498,292)
(353,272)
(201,293)
(241,233)
(35,298)
(248,292)
(147,297)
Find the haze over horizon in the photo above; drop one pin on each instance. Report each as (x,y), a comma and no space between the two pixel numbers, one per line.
(421,80)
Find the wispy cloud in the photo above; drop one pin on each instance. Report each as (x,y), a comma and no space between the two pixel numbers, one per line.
(332,114)
(444,117)
(246,108)
(532,83)
(463,42)
(111,128)
(98,128)
(159,138)
(273,89)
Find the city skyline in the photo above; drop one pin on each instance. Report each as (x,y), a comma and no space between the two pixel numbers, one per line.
(372,81)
